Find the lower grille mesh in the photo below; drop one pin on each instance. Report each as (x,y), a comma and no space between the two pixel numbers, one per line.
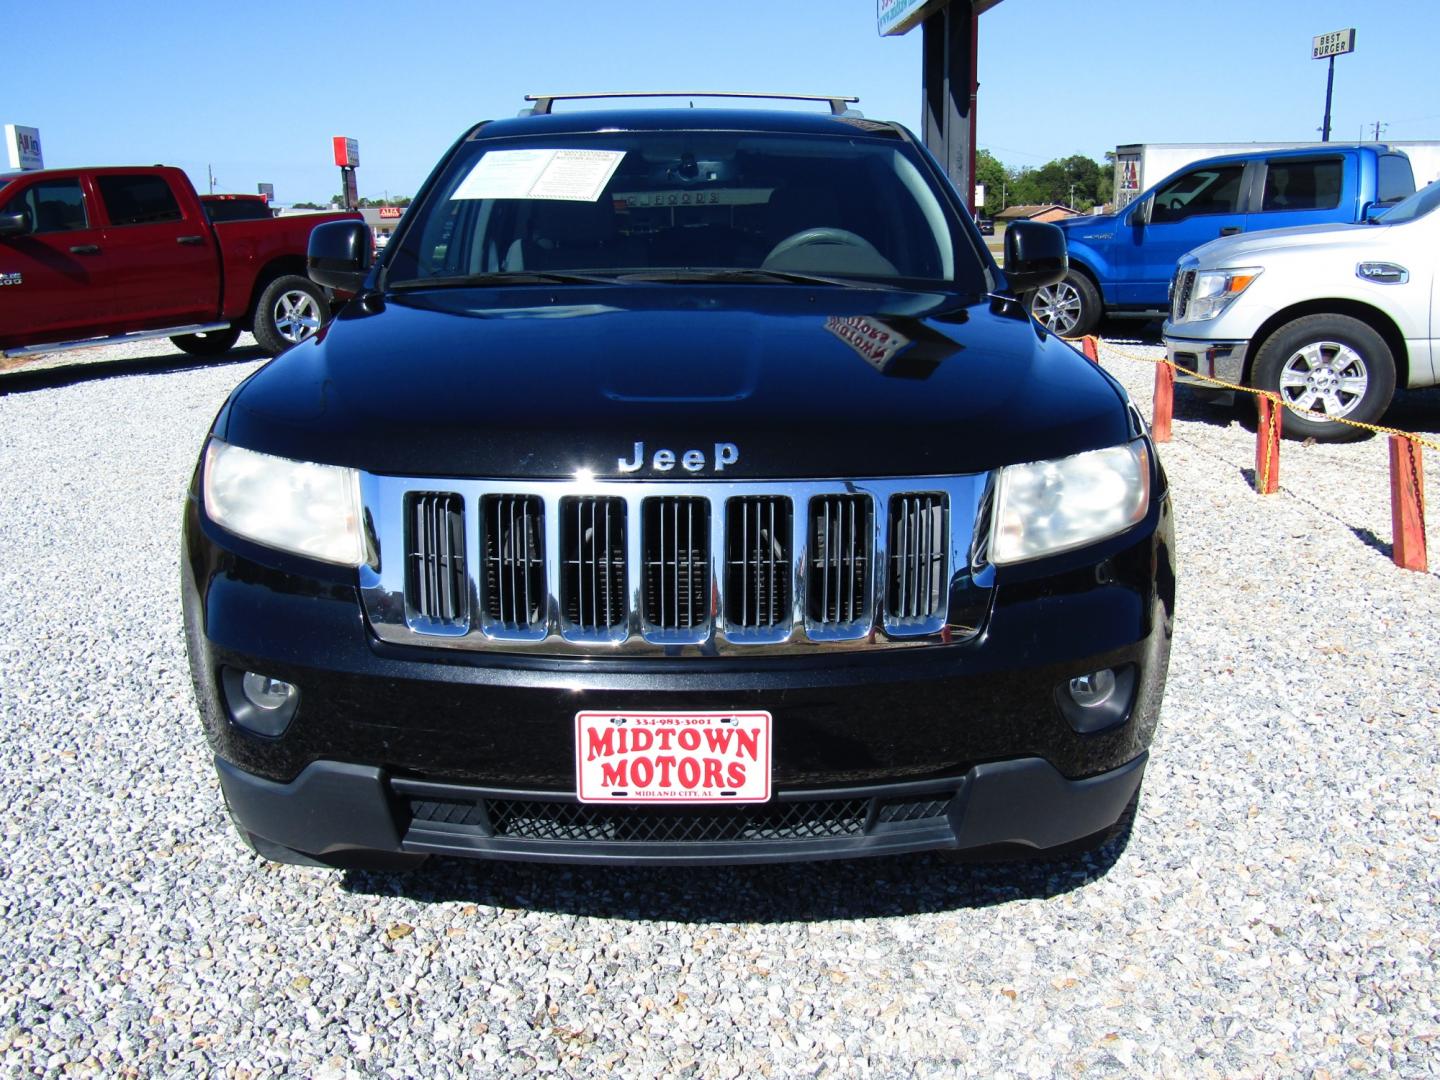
(569,822)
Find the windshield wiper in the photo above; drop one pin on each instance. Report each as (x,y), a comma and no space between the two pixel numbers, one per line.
(504,277)
(757,276)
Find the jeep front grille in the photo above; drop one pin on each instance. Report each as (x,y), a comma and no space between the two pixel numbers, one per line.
(593,565)
(435,578)
(676,568)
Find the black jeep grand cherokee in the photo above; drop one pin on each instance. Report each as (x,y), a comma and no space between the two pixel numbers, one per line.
(680,486)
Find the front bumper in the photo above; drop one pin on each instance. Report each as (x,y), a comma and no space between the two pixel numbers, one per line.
(1224,360)
(334,807)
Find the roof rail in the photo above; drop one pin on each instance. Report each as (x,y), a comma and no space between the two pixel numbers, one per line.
(839,103)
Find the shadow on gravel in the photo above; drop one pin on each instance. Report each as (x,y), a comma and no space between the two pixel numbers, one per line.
(1368,538)
(23,380)
(809,892)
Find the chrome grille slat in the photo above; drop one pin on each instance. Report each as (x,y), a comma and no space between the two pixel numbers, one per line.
(759,549)
(841,534)
(593,568)
(514,583)
(749,566)
(677,565)
(917,558)
(435,567)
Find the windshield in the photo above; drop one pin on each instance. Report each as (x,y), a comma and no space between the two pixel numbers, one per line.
(668,203)
(1416,206)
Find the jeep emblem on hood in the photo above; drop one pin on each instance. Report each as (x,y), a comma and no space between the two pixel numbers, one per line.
(726,453)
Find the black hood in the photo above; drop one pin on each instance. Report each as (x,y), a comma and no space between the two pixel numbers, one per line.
(802,382)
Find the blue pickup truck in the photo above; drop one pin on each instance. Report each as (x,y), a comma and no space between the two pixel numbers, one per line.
(1121,264)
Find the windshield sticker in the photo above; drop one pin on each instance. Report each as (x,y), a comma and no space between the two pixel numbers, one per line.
(653,200)
(568,175)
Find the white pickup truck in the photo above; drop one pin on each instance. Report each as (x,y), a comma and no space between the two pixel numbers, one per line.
(1331,318)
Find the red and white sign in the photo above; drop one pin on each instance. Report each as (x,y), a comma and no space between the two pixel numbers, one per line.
(347,151)
(681,757)
(391,212)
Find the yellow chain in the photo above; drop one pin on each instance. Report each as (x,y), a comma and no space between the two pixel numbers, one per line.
(1275,398)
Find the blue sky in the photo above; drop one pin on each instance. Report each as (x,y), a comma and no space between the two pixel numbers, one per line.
(256,91)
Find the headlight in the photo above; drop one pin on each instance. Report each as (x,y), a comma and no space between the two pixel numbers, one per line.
(1051,506)
(1216,290)
(311,510)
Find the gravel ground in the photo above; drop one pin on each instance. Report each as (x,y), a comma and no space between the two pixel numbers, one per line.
(1274,912)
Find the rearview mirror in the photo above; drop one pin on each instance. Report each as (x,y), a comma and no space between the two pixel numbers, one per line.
(339,255)
(1035,255)
(16,224)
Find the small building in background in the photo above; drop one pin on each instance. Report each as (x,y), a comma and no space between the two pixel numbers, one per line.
(1044,212)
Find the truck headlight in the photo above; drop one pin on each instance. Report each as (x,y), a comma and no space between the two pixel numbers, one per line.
(297,506)
(1047,507)
(1216,290)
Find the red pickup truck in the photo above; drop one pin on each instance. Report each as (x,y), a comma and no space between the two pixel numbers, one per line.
(94,256)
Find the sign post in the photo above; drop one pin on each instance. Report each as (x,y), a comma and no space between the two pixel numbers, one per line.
(22,147)
(1327,47)
(347,156)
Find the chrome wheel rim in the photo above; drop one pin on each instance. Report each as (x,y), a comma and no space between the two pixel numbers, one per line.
(1326,377)
(1057,307)
(297,315)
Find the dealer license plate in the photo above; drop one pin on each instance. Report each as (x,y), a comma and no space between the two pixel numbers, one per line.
(672,757)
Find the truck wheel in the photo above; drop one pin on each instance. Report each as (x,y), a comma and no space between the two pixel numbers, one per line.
(1333,364)
(291,308)
(210,344)
(1069,308)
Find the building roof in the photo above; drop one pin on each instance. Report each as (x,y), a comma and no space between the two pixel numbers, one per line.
(1024,213)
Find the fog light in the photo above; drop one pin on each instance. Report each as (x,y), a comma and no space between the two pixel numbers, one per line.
(259,703)
(270,694)
(1097,701)
(1089,691)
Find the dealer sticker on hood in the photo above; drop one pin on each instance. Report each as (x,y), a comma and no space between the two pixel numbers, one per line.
(682,757)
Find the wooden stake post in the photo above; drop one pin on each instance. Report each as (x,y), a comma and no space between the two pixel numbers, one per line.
(1267,447)
(1164,407)
(1407,504)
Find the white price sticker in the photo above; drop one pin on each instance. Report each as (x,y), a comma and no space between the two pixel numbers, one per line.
(567,175)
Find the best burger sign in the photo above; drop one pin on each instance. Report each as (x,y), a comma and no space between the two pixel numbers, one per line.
(673,757)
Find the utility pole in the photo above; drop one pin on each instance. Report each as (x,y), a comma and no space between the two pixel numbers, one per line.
(1071,203)
(211,173)
(1379,127)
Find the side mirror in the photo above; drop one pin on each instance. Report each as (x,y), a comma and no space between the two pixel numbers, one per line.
(339,255)
(1141,214)
(1034,255)
(16,224)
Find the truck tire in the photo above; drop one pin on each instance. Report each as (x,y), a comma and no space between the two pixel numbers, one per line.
(213,343)
(1331,363)
(1070,308)
(290,309)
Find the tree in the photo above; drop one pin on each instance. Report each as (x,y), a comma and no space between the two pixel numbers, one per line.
(991,173)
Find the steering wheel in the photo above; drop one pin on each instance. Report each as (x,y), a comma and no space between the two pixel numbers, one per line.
(822,234)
